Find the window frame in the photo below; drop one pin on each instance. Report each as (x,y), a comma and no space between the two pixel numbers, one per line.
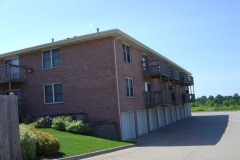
(128,88)
(51,58)
(125,53)
(53,93)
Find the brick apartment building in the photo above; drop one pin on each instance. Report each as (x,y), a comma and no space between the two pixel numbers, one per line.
(107,76)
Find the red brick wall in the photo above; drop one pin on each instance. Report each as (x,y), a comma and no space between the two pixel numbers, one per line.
(87,74)
(1,62)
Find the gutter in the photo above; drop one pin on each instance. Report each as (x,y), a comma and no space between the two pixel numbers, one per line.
(118,98)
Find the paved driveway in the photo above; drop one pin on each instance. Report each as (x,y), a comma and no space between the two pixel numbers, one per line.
(208,135)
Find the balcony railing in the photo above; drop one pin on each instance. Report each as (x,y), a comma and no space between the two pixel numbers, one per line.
(185,98)
(14,73)
(155,68)
(192,97)
(191,81)
(22,107)
(153,98)
(184,78)
(174,73)
(176,97)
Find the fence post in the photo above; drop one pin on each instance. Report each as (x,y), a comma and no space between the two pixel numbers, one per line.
(9,128)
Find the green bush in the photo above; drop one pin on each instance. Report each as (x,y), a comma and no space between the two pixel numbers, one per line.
(60,122)
(28,143)
(78,127)
(47,144)
(26,119)
(40,123)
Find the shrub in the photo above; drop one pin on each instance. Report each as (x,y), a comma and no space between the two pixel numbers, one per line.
(60,122)
(26,119)
(28,143)
(40,123)
(47,144)
(78,127)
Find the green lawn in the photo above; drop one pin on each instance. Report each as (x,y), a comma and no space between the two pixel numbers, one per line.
(75,144)
(206,108)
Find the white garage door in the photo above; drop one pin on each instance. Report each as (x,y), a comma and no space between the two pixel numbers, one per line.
(152,119)
(182,112)
(161,117)
(189,110)
(173,109)
(186,110)
(168,115)
(178,108)
(142,122)
(128,125)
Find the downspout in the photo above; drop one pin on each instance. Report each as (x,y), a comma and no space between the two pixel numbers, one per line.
(118,98)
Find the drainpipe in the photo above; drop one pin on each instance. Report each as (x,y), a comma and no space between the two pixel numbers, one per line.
(118,98)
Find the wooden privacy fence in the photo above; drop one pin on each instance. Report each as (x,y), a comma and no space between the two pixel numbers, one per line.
(9,128)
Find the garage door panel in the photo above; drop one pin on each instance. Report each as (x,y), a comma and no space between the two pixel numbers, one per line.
(128,125)
(142,122)
(152,119)
(161,117)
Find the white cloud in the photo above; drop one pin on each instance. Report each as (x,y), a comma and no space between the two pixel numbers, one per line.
(90,25)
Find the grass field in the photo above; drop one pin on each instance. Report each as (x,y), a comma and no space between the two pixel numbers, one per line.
(206,108)
(75,144)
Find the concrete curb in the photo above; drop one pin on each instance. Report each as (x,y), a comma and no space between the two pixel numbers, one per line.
(91,154)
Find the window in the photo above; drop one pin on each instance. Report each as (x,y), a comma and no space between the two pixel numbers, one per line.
(51,58)
(53,93)
(126,53)
(145,64)
(129,87)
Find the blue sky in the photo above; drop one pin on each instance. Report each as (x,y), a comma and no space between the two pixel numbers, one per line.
(201,36)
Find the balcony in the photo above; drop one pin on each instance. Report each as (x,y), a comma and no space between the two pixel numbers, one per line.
(22,107)
(184,78)
(174,73)
(154,68)
(188,80)
(176,98)
(154,98)
(12,73)
(192,97)
(191,82)
(185,98)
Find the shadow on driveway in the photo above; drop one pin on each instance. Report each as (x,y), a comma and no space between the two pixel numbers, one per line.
(192,131)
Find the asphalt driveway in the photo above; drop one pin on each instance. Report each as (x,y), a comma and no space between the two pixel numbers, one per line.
(205,135)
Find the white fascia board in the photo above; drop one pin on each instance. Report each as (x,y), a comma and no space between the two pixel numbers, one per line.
(108,33)
(60,43)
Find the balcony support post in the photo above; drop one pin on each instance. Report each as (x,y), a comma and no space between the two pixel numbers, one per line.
(9,87)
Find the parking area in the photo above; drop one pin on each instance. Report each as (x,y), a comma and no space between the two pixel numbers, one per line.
(205,135)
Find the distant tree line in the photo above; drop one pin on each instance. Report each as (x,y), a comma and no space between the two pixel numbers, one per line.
(217,101)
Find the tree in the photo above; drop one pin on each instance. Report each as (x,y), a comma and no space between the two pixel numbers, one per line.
(232,102)
(218,99)
(236,96)
(210,103)
(226,103)
(211,98)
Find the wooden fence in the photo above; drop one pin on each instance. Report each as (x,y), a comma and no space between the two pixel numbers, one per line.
(9,128)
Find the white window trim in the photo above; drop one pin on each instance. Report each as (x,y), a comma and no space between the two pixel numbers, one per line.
(132,86)
(53,93)
(146,83)
(51,59)
(129,52)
